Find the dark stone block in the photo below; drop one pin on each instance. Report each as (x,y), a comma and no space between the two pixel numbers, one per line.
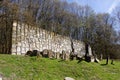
(45,53)
(29,53)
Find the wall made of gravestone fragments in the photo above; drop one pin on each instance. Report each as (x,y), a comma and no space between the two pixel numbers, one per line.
(26,38)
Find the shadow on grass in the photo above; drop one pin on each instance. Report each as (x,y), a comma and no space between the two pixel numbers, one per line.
(103,64)
(52,58)
(79,61)
(61,60)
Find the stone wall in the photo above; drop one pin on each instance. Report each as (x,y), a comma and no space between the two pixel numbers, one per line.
(25,37)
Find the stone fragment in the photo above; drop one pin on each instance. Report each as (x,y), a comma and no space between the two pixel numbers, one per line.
(51,54)
(57,55)
(96,60)
(29,53)
(37,53)
(45,53)
(63,55)
(68,78)
(67,55)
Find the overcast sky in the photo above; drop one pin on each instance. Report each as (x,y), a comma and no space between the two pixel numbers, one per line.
(99,6)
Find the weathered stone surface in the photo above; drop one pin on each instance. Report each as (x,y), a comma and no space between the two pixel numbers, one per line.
(1,77)
(18,49)
(80,55)
(14,50)
(67,55)
(96,60)
(39,54)
(57,55)
(68,78)
(28,38)
(51,54)
(90,50)
(63,55)
(45,53)
(92,58)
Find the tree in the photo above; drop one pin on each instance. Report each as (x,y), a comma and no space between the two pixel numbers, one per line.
(104,34)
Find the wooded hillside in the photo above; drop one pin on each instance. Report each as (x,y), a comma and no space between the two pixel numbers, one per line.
(68,19)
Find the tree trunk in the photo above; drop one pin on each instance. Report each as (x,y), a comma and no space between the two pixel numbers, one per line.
(107,59)
(112,61)
(72,55)
(72,46)
(87,57)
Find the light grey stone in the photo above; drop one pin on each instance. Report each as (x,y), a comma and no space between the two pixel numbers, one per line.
(42,40)
(90,50)
(51,54)
(68,78)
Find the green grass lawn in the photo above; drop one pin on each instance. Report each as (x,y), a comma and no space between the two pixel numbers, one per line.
(32,68)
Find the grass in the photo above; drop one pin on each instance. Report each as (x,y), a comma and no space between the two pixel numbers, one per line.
(32,68)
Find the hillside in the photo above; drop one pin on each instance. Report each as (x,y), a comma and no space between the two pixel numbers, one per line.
(32,68)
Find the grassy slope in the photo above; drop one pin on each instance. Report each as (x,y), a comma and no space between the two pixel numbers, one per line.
(32,68)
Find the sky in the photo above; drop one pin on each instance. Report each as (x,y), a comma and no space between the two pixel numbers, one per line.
(99,6)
